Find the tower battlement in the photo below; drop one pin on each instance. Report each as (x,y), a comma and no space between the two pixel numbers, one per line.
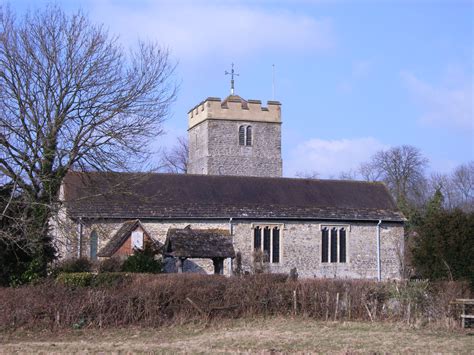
(234,108)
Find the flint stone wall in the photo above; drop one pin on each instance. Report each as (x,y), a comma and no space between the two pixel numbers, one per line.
(300,246)
(214,149)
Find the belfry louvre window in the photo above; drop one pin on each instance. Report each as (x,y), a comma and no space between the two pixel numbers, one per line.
(245,135)
(333,244)
(267,240)
(248,135)
(242,135)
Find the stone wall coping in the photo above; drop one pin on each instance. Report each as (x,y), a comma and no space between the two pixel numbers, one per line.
(234,108)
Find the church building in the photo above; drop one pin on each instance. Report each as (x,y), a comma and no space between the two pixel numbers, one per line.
(234,202)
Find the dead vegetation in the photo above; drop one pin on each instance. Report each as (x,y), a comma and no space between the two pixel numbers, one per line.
(261,335)
(156,300)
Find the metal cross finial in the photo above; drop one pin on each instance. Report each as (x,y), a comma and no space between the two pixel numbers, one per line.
(232,73)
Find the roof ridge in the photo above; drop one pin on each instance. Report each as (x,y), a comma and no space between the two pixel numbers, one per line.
(242,177)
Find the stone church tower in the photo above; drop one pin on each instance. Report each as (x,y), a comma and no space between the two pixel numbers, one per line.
(235,137)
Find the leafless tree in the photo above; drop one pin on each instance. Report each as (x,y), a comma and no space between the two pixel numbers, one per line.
(175,160)
(348,175)
(401,168)
(443,183)
(463,180)
(370,172)
(457,187)
(71,96)
(307,174)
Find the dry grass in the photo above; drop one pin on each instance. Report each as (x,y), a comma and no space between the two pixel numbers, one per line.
(263,336)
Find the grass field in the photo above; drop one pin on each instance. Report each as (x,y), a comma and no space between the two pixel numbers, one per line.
(273,335)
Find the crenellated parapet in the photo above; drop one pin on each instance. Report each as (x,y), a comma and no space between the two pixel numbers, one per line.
(236,109)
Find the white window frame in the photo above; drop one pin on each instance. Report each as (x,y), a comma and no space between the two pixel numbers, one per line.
(137,239)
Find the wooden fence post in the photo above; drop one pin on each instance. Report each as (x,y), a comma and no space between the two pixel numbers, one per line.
(327,305)
(294,302)
(337,306)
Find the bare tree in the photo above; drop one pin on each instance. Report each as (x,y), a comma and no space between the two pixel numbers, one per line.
(401,168)
(70,96)
(370,172)
(442,182)
(307,174)
(457,187)
(348,175)
(463,180)
(175,160)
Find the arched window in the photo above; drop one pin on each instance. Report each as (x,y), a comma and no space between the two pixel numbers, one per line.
(245,135)
(94,241)
(242,135)
(248,138)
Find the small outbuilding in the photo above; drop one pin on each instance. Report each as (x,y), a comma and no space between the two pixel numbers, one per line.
(215,244)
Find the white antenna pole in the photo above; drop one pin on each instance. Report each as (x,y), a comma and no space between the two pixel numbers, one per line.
(273,81)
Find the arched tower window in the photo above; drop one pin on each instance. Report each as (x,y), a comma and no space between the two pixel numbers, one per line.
(94,241)
(242,135)
(248,138)
(245,135)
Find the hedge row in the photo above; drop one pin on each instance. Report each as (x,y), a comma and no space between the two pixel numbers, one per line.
(88,279)
(155,300)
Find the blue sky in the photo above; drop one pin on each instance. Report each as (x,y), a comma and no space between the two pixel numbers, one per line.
(353,77)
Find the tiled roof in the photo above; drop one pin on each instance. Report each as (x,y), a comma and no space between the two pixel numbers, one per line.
(168,196)
(199,243)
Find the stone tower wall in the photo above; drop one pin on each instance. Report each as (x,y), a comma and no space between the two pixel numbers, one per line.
(198,149)
(214,138)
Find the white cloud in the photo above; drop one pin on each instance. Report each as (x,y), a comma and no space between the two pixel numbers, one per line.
(207,28)
(443,106)
(331,157)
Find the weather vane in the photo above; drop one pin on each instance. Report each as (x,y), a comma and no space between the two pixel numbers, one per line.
(232,73)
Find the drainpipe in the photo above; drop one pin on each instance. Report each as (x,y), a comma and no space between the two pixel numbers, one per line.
(79,244)
(379,272)
(229,260)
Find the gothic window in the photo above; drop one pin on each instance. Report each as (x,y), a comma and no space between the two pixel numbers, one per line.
(94,241)
(245,135)
(269,243)
(248,137)
(333,245)
(242,135)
